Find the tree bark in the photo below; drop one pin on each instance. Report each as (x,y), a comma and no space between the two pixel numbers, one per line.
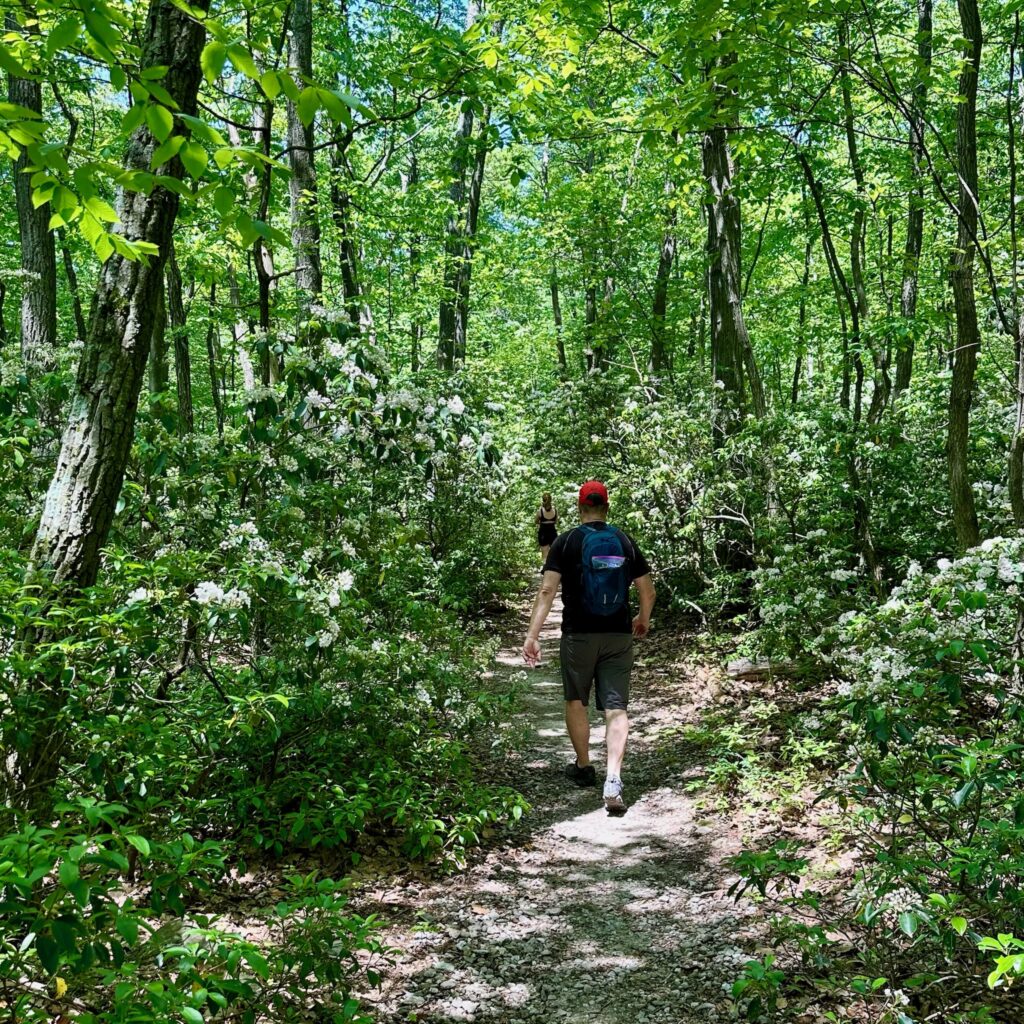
(733,365)
(968,337)
(464,271)
(38,255)
(454,240)
(158,362)
(301,158)
(861,506)
(214,361)
(82,496)
(359,311)
(72,278)
(660,356)
(1015,124)
(801,355)
(177,321)
(556,316)
(590,326)
(556,303)
(915,202)
(409,182)
(844,293)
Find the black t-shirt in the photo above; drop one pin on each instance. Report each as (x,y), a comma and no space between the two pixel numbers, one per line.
(566,558)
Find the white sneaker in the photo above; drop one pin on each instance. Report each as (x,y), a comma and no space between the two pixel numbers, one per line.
(613,801)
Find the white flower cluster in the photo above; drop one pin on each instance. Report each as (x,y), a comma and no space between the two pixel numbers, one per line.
(210,593)
(139,596)
(258,393)
(455,405)
(245,536)
(897,997)
(329,634)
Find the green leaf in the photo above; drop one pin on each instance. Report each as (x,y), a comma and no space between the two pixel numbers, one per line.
(242,60)
(167,151)
(68,873)
(101,210)
(192,1015)
(212,60)
(224,200)
(128,929)
(271,84)
(48,955)
(195,159)
(309,101)
(909,923)
(961,795)
(140,844)
(63,34)
(959,925)
(10,65)
(160,121)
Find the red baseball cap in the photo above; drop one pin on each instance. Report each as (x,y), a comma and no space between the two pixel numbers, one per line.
(593,492)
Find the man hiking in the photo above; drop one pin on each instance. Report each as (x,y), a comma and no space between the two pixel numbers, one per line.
(595,563)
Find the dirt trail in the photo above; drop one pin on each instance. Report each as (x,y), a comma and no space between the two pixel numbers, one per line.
(583,917)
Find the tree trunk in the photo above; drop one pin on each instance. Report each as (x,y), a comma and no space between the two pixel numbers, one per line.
(1015,123)
(882,383)
(38,256)
(72,279)
(359,311)
(733,366)
(82,497)
(158,363)
(660,356)
(454,240)
(968,338)
(556,303)
(861,506)
(590,326)
(409,182)
(801,355)
(301,158)
(465,264)
(177,321)
(915,203)
(80,503)
(556,315)
(844,293)
(214,361)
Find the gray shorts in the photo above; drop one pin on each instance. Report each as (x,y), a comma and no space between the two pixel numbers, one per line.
(604,658)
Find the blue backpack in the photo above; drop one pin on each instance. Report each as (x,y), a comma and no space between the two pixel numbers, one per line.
(605,581)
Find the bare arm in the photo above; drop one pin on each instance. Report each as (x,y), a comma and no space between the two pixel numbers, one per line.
(645,589)
(541,610)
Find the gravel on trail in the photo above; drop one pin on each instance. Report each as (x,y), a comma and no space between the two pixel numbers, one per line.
(580,916)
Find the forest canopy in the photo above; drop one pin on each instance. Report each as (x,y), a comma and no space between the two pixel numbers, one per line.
(302,307)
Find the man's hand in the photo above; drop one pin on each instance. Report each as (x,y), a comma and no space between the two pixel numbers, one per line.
(531,651)
(641,627)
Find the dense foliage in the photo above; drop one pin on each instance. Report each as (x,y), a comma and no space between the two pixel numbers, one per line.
(303,305)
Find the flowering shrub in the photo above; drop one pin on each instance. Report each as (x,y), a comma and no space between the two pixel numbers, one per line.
(931,708)
(273,661)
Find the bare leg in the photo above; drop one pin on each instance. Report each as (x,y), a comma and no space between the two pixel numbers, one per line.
(545,548)
(616,731)
(578,723)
